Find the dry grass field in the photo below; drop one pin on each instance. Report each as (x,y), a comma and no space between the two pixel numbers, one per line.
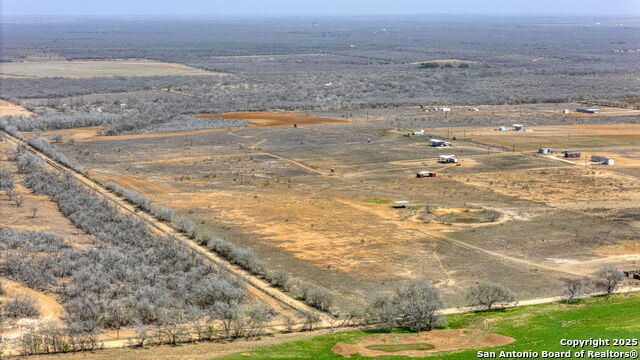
(9,109)
(95,68)
(271,188)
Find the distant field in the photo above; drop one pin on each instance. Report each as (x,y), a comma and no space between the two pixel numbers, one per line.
(272,189)
(95,68)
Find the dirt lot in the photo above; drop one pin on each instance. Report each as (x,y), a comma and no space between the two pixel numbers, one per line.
(96,68)
(272,189)
(282,118)
(8,109)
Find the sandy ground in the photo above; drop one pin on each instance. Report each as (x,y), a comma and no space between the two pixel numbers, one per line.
(96,68)
(564,187)
(7,109)
(280,118)
(48,306)
(442,340)
(48,217)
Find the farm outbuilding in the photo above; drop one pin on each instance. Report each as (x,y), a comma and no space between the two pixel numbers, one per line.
(424,174)
(439,143)
(588,110)
(448,159)
(518,127)
(545,151)
(402,204)
(602,160)
(572,154)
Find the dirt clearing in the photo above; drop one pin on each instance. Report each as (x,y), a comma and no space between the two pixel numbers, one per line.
(437,340)
(9,109)
(279,118)
(96,68)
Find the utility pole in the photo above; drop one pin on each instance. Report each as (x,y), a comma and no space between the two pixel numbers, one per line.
(514,146)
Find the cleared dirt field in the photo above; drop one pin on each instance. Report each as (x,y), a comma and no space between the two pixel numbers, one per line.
(96,68)
(272,189)
(8,109)
(282,118)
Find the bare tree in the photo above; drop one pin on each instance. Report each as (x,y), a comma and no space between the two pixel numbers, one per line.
(258,316)
(21,306)
(490,294)
(576,288)
(418,303)
(414,305)
(15,197)
(172,328)
(143,332)
(383,312)
(608,279)
(311,319)
(6,180)
(56,137)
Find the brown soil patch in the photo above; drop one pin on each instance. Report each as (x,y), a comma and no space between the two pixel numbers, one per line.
(8,109)
(564,187)
(48,217)
(624,248)
(92,134)
(50,309)
(274,118)
(442,340)
(78,134)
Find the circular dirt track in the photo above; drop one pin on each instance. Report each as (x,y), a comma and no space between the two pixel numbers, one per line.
(442,340)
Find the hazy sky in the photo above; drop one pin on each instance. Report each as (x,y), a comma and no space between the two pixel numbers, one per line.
(323,7)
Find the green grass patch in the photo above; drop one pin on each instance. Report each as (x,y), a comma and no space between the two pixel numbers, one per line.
(535,328)
(400,347)
(377,201)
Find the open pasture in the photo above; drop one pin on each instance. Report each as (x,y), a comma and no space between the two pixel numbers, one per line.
(95,68)
(316,201)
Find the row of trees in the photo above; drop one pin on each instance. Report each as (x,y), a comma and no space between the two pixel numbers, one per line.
(417,304)
(127,275)
(313,295)
(606,280)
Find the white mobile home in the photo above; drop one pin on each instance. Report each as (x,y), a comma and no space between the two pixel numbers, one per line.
(448,159)
(439,143)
